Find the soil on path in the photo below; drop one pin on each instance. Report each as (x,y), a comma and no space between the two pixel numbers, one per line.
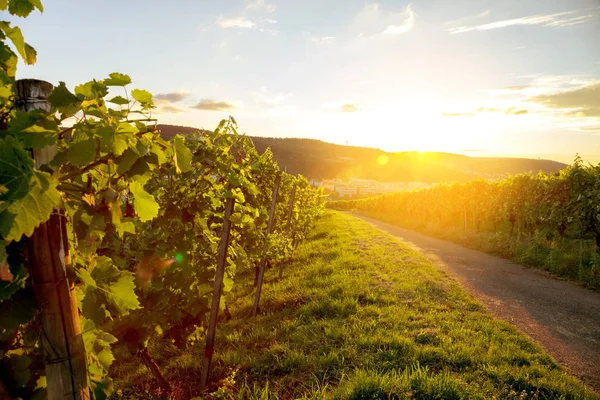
(561,316)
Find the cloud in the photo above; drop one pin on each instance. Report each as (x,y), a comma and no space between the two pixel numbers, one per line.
(261,4)
(561,19)
(238,22)
(350,108)
(515,88)
(214,105)
(583,101)
(171,97)
(588,112)
(265,30)
(321,40)
(514,111)
(374,21)
(265,100)
(170,109)
(458,114)
(468,17)
(406,26)
(583,97)
(590,128)
(489,109)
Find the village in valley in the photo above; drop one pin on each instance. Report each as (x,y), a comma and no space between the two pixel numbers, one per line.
(355,188)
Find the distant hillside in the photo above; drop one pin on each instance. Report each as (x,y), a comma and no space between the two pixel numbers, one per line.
(317,159)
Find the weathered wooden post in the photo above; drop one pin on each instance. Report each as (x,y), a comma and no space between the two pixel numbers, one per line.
(216,299)
(287,226)
(263,261)
(62,343)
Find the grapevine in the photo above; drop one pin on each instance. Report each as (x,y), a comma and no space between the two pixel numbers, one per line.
(141,219)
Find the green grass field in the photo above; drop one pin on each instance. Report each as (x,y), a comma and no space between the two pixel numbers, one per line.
(359,315)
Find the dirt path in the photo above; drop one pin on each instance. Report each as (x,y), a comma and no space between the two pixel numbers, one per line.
(562,316)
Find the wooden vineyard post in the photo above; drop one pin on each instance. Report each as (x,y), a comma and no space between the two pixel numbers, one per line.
(216,299)
(287,226)
(61,340)
(263,261)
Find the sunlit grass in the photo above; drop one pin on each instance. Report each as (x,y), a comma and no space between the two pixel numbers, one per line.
(358,315)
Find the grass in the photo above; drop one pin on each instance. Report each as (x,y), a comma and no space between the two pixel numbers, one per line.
(575,259)
(359,315)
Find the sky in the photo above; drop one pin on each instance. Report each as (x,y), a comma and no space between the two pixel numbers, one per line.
(482,78)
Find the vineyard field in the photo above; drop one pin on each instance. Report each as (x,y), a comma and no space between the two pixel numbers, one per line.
(362,316)
(547,221)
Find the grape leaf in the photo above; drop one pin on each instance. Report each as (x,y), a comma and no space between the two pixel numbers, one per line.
(25,214)
(122,293)
(126,225)
(117,79)
(63,100)
(143,96)
(16,37)
(82,153)
(91,90)
(30,54)
(125,161)
(120,100)
(182,156)
(145,204)
(85,277)
(22,8)
(16,168)
(105,357)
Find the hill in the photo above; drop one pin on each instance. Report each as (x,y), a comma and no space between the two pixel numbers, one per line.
(321,160)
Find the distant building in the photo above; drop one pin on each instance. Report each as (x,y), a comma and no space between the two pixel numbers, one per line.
(346,190)
(328,184)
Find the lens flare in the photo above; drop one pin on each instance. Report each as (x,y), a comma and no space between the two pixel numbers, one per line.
(151,266)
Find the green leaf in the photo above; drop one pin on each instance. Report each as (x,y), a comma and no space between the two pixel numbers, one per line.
(82,153)
(30,56)
(145,204)
(16,169)
(37,137)
(16,37)
(104,271)
(18,281)
(20,8)
(24,215)
(107,337)
(63,100)
(126,225)
(102,388)
(91,90)
(85,277)
(37,4)
(125,161)
(122,293)
(117,79)
(142,96)
(114,142)
(182,156)
(120,100)
(106,358)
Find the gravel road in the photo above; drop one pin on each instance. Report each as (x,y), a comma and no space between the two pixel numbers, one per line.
(562,316)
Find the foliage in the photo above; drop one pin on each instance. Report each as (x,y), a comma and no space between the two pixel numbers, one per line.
(548,209)
(144,215)
(360,315)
